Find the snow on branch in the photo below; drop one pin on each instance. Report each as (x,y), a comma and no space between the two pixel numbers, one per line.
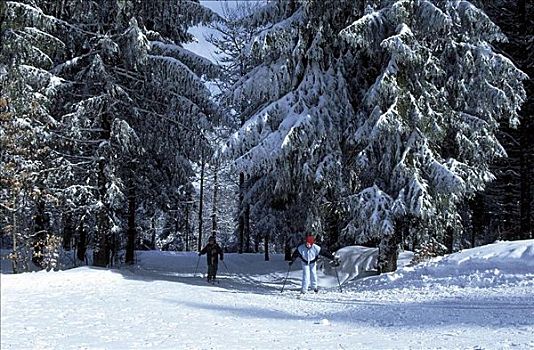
(42,79)
(198,64)
(362,31)
(277,37)
(184,81)
(374,217)
(474,22)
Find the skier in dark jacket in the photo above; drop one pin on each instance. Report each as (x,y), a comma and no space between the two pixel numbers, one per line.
(212,249)
(309,253)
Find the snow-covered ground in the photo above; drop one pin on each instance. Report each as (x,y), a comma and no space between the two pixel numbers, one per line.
(481,298)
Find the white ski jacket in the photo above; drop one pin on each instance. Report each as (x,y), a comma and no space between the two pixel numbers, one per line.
(310,255)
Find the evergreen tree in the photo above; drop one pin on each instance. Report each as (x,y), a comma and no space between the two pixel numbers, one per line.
(127,102)
(426,133)
(30,44)
(385,130)
(295,102)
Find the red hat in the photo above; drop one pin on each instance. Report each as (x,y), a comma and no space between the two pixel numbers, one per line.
(310,239)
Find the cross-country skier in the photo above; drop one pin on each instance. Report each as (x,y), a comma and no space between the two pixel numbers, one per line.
(212,249)
(308,253)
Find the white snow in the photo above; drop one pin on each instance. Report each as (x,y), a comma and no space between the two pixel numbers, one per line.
(480,298)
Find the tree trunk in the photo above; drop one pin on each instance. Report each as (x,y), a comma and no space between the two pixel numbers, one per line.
(388,254)
(131,232)
(14,257)
(39,235)
(187,232)
(257,244)
(215,201)
(266,247)
(153,235)
(102,250)
(113,249)
(388,251)
(201,201)
(449,239)
(478,213)
(101,254)
(82,241)
(247,227)
(241,227)
(67,232)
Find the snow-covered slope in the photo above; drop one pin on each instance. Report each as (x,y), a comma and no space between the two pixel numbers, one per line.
(480,298)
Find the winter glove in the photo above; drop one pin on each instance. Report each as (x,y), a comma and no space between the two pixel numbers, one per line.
(335,262)
(291,263)
(199,254)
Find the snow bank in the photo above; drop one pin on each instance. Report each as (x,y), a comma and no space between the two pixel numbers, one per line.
(500,263)
(359,262)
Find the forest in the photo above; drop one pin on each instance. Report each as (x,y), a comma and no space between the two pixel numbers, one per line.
(397,124)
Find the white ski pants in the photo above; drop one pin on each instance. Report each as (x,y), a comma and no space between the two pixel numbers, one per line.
(309,274)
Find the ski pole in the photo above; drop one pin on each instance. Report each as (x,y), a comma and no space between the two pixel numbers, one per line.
(338,283)
(226,267)
(196,268)
(287,275)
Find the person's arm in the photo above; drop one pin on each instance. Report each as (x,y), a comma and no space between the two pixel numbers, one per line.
(330,256)
(294,256)
(221,253)
(326,254)
(203,251)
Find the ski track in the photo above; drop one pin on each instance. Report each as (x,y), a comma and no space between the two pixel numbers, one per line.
(151,307)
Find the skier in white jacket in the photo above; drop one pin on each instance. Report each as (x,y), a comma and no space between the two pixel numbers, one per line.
(308,253)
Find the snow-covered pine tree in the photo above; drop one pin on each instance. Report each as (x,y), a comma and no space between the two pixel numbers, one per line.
(426,132)
(29,46)
(295,103)
(170,108)
(177,108)
(128,89)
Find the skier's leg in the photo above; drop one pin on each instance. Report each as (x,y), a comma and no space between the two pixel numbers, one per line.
(313,275)
(213,267)
(305,277)
(214,271)
(209,272)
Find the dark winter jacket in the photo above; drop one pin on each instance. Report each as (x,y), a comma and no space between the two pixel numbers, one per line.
(212,250)
(310,255)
